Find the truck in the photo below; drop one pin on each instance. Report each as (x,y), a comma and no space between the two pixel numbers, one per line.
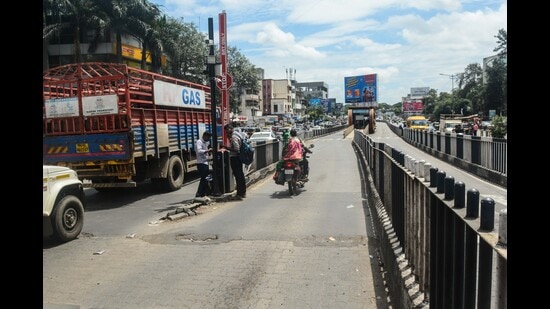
(63,202)
(449,122)
(116,125)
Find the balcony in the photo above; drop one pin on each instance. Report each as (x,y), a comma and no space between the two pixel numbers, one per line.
(251,97)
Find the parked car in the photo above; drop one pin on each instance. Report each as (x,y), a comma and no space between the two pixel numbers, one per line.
(263,137)
(62,203)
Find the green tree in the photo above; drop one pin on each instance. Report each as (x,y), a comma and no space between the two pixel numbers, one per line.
(185,48)
(502,43)
(499,128)
(74,16)
(430,102)
(130,17)
(245,77)
(495,89)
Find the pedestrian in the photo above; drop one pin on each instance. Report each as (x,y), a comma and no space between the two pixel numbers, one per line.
(235,140)
(203,151)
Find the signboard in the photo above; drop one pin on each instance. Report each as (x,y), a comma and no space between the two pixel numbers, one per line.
(413,106)
(361,89)
(65,107)
(419,91)
(100,105)
(176,95)
(226,80)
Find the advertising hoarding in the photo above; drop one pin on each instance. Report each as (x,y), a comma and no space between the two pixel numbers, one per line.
(413,106)
(419,91)
(361,89)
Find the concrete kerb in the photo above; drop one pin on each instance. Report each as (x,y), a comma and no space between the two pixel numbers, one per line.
(188,208)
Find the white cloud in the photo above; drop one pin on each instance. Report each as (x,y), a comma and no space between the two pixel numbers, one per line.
(407,43)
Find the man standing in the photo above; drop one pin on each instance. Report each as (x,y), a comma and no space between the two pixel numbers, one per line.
(235,162)
(203,151)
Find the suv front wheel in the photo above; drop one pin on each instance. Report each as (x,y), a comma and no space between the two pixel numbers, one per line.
(68,219)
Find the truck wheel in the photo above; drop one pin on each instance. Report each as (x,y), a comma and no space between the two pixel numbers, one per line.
(175,174)
(68,218)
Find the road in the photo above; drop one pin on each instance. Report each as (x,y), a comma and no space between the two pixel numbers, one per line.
(271,250)
(313,250)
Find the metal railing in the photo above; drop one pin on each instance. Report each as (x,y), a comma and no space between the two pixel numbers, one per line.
(485,156)
(438,243)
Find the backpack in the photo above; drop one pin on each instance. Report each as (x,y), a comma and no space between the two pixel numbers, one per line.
(246,152)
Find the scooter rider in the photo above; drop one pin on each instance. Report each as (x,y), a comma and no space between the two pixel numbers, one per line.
(293,150)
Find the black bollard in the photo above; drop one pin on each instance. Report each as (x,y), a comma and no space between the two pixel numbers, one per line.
(433,176)
(440,181)
(472,203)
(448,186)
(487,214)
(459,194)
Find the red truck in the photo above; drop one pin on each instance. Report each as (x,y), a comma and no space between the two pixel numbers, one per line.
(116,125)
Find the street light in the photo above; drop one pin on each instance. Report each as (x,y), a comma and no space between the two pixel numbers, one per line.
(452,77)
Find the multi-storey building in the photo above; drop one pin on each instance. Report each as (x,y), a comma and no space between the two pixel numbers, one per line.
(251,104)
(277,97)
(313,90)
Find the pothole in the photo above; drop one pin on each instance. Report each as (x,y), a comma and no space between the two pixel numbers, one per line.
(195,237)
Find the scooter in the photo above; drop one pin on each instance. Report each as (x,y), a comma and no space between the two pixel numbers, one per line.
(291,171)
(288,171)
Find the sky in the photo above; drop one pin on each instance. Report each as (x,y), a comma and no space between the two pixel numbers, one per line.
(407,43)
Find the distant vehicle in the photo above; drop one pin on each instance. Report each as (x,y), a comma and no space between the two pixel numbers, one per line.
(62,203)
(486,125)
(417,122)
(263,137)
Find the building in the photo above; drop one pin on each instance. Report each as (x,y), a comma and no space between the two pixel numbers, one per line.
(251,102)
(60,51)
(277,97)
(313,90)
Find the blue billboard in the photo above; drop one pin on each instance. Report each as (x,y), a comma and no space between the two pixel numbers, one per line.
(361,89)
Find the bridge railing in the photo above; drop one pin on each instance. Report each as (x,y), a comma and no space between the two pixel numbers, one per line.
(484,156)
(436,248)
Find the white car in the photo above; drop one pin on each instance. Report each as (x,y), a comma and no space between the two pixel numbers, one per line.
(62,203)
(263,137)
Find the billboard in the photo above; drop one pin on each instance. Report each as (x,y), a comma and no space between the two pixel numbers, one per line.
(413,106)
(419,91)
(328,104)
(361,89)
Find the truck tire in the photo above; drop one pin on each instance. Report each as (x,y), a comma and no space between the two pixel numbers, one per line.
(68,218)
(175,174)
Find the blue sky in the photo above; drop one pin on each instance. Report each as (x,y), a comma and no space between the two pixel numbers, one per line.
(408,43)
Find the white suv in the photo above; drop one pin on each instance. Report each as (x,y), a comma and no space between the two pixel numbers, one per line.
(62,203)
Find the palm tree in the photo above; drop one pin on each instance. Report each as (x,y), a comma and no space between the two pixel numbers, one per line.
(120,19)
(74,15)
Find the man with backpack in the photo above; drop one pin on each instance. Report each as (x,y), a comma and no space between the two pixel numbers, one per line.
(234,146)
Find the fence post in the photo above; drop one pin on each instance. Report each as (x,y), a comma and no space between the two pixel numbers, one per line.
(459,194)
(448,185)
(433,176)
(502,265)
(440,181)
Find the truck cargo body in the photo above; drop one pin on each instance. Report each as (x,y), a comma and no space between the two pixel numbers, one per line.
(116,125)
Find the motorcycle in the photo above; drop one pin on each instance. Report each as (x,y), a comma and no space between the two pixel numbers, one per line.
(288,171)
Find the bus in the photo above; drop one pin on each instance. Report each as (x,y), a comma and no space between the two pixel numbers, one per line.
(417,122)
